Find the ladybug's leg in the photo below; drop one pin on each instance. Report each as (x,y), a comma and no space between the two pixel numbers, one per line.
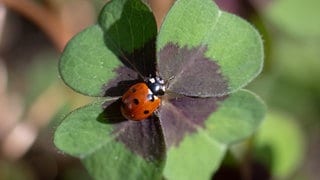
(156,112)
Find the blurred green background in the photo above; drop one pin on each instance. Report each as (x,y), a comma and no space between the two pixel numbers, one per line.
(33,99)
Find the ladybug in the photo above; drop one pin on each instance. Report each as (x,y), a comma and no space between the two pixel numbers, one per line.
(142,99)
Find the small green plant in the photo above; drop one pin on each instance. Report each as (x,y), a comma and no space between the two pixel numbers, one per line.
(205,56)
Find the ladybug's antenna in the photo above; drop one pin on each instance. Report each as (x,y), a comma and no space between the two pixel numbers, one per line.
(122,55)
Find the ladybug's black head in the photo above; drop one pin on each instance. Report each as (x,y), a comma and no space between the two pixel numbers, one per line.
(156,85)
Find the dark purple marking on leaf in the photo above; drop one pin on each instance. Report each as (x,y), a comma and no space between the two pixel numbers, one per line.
(144,138)
(125,78)
(183,115)
(190,73)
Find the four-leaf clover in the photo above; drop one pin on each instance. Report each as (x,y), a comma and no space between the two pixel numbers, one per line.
(202,53)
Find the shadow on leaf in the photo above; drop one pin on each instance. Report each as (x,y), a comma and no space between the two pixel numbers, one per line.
(134,45)
(111,113)
(120,88)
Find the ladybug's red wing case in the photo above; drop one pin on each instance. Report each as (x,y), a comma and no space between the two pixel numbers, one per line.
(138,103)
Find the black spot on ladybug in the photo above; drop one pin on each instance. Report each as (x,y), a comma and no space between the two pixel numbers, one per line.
(133,90)
(145,112)
(150,97)
(136,101)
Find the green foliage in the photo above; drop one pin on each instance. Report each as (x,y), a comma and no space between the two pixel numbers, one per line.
(44,63)
(127,29)
(280,144)
(189,136)
(86,63)
(295,59)
(243,110)
(295,17)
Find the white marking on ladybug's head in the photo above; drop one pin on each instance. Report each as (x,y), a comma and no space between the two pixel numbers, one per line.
(152,80)
(159,80)
(156,85)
